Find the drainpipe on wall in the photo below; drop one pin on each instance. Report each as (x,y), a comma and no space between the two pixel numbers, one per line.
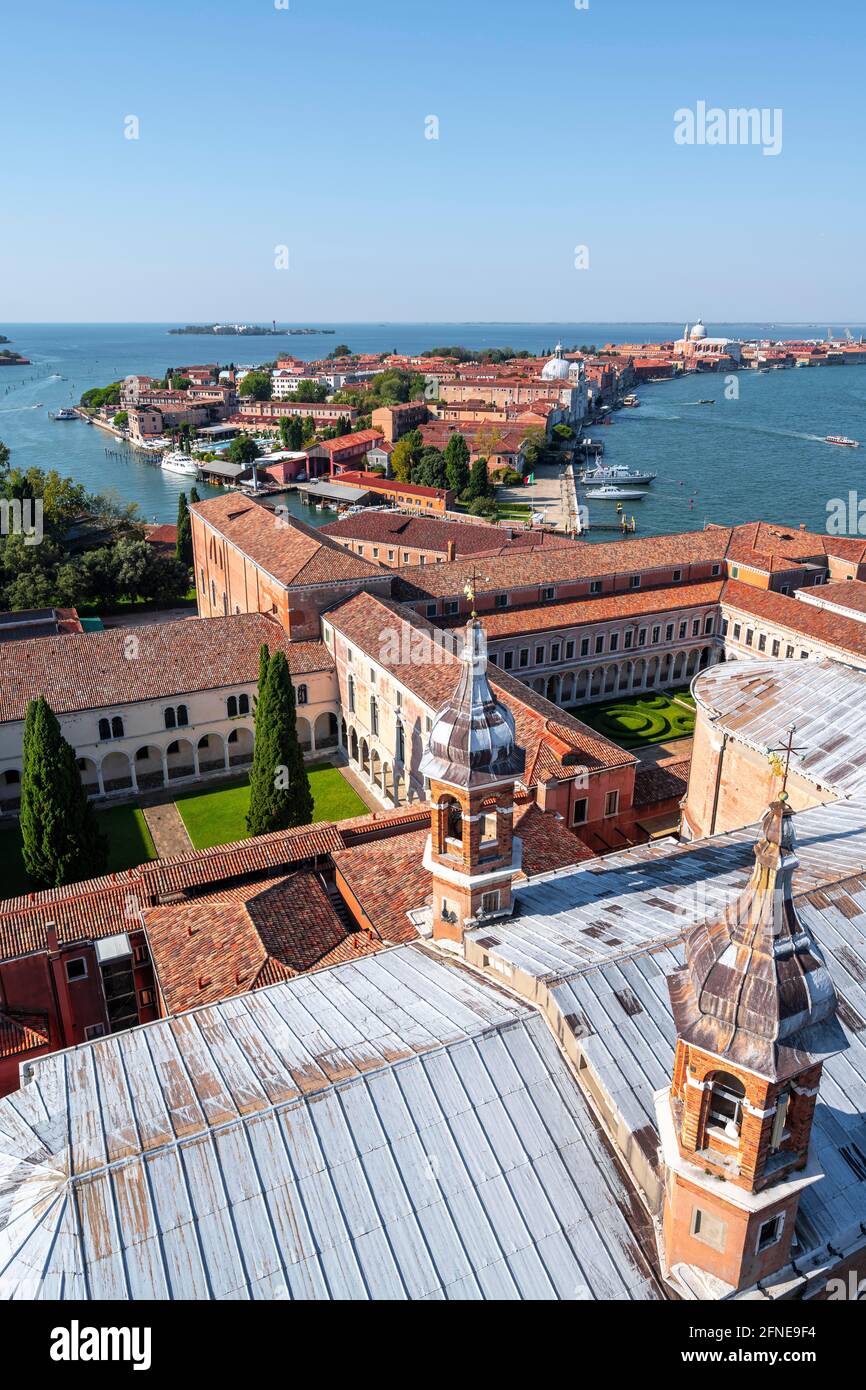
(718,786)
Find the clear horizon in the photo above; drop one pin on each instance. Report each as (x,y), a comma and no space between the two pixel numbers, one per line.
(493,163)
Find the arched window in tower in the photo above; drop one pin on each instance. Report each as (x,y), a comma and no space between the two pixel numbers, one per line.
(489,829)
(453,819)
(726,1104)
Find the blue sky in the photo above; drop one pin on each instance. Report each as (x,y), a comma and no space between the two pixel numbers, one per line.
(262,127)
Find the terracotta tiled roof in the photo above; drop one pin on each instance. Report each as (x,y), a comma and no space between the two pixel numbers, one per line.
(846,593)
(659,782)
(242,938)
(103,906)
(349,442)
(289,550)
(388,878)
(584,560)
(802,619)
(788,543)
(375,482)
(257,855)
(434,533)
(95,670)
(364,620)
(22,1033)
(636,603)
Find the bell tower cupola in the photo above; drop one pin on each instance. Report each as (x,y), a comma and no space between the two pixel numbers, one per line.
(755,1014)
(471,762)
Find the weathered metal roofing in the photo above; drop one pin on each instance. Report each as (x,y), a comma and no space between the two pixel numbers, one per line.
(652,893)
(756,701)
(396,1128)
(619,1012)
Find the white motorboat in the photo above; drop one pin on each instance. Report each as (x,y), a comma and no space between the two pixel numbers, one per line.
(64,413)
(179,462)
(609,492)
(615,473)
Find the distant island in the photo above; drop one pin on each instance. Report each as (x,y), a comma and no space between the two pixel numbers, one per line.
(243,330)
(4,339)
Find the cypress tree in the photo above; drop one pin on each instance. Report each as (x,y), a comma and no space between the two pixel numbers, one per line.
(183,547)
(61,842)
(193,495)
(280,794)
(457,463)
(479,483)
(264,657)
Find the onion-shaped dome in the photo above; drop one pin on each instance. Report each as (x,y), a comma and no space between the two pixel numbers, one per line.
(472,742)
(698,332)
(754,988)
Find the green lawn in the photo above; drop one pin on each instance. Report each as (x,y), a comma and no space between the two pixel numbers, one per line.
(634,723)
(217,818)
(129,843)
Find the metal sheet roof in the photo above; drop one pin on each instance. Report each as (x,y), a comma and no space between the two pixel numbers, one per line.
(755,701)
(394,1128)
(620,1013)
(651,894)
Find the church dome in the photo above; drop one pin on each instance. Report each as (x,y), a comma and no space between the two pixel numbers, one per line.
(698,332)
(556,368)
(473,740)
(754,989)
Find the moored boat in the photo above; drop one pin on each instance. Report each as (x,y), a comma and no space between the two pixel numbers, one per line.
(609,492)
(616,473)
(179,462)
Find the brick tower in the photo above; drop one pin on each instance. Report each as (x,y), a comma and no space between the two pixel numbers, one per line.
(471,761)
(755,1013)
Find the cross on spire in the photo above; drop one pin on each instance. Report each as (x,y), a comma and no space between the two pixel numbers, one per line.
(781,768)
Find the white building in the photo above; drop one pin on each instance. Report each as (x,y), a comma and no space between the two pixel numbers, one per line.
(149,706)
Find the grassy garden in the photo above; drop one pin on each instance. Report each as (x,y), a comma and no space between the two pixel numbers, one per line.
(218,817)
(129,844)
(643,720)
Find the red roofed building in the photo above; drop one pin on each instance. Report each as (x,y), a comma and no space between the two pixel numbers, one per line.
(410,496)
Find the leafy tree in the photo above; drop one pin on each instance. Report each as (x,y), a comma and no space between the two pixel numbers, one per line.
(99,396)
(61,842)
(256,385)
(484,506)
(4,456)
(311,391)
(121,419)
(183,547)
(243,449)
(479,482)
(407,452)
(430,470)
(457,463)
(341,350)
(563,431)
(280,794)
